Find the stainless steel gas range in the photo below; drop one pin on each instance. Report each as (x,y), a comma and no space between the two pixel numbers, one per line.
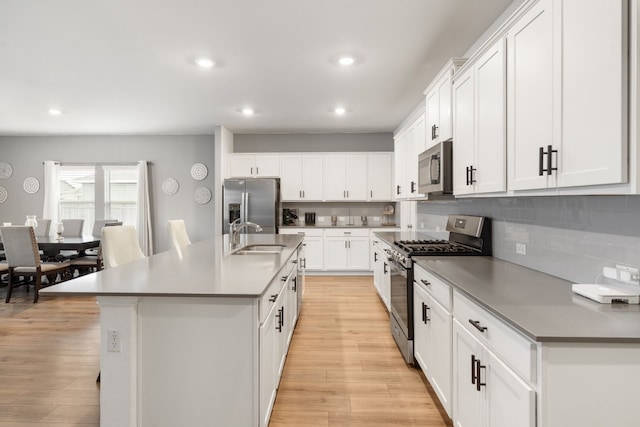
(468,236)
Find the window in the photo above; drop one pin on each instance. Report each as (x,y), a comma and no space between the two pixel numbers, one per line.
(98,191)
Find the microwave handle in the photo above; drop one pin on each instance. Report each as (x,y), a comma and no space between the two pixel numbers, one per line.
(434,170)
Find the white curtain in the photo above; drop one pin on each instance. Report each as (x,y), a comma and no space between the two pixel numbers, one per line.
(144,210)
(51,209)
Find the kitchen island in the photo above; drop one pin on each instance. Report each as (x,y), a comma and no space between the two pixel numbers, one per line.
(196,336)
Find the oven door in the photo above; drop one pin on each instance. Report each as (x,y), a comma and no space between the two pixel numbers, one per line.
(402,297)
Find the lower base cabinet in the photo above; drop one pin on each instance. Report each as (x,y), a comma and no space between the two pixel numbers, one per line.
(487,393)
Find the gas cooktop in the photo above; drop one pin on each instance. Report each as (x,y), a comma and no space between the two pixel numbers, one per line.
(433,247)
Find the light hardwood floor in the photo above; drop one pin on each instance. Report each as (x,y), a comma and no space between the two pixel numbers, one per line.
(343,367)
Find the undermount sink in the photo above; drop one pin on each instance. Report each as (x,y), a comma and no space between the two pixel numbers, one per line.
(259,250)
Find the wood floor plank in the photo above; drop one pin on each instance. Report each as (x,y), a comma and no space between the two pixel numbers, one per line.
(343,362)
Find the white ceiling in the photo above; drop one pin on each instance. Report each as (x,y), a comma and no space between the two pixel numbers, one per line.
(125,66)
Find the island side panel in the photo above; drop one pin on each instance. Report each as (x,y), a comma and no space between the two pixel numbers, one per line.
(198,361)
(119,369)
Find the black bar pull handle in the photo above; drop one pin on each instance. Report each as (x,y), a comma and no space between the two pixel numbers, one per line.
(550,152)
(467,176)
(413,186)
(273,298)
(541,154)
(397,189)
(476,324)
(375,257)
(471,178)
(473,369)
(424,313)
(479,383)
(384,268)
(425,282)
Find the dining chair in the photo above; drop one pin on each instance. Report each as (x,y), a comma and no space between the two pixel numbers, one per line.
(23,259)
(4,269)
(88,263)
(120,245)
(178,233)
(99,224)
(43,228)
(72,227)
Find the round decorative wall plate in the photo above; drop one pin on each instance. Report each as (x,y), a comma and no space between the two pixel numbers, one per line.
(31,185)
(202,195)
(3,194)
(170,186)
(199,171)
(5,170)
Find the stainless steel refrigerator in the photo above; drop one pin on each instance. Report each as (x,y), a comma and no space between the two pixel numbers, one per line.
(252,199)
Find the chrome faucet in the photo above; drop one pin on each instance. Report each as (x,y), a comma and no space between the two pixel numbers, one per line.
(236,226)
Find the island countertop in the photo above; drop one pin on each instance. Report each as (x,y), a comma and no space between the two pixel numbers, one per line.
(207,269)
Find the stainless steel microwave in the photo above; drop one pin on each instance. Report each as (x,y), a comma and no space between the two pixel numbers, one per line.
(435,174)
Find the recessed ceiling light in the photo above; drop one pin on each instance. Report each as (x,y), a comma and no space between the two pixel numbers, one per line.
(340,110)
(54,112)
(205,62)
(346,60)
(247,111)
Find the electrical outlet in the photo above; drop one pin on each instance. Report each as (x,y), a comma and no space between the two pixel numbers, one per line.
(521,248)
(610,272)
(113,340)
(628,274)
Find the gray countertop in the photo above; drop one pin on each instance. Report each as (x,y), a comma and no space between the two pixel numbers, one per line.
(204,268)
(540,306)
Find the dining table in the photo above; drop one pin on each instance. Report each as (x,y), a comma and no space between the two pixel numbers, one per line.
(51,246)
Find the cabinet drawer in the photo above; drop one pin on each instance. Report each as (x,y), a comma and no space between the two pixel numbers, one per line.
(268,299)
(346,232)
(516,350)
(438,289)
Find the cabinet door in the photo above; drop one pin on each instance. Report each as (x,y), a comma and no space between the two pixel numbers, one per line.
(267,368)
(416,145)
(445,129)
(467,400)
(267,166)
(400,171)
(464,132)
(314,253)
(335,178)
(312,167)
(282,332)
(292,303)
(291,178)
(594,92)
(335,253)
(241,165)
(377,270)
(356,177)
(433,117)
(421,327)
(510,401)
(490,166)
(530,107)
(440,326)
(358,253)
(386,282)
(379,176)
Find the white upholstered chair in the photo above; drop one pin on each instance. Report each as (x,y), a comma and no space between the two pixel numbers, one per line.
(72,227)
(44,225)
(120,245)
(23,259)
(99,224)
(178,233)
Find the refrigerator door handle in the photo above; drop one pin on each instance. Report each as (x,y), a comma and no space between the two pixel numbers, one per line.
(243,207)
(246,206)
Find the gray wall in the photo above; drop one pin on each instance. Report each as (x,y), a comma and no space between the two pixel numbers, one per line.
(312,142)
(170,156)
(571,237)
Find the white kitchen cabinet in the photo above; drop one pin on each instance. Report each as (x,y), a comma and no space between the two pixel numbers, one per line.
(400,149)
(381,275)
(379,176)
(268,383)
(346,249)
(559,101)
(254,165)
(439,125)
(479,160)
(487,393)
(345,177)
(433,333)
(313,246)
(301,177)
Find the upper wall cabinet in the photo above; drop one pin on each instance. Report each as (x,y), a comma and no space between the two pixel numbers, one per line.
(408,144)
(345,177)
(567,95)
(254,165)
(479,135)
(301,177)
(439,104)
(379,176)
